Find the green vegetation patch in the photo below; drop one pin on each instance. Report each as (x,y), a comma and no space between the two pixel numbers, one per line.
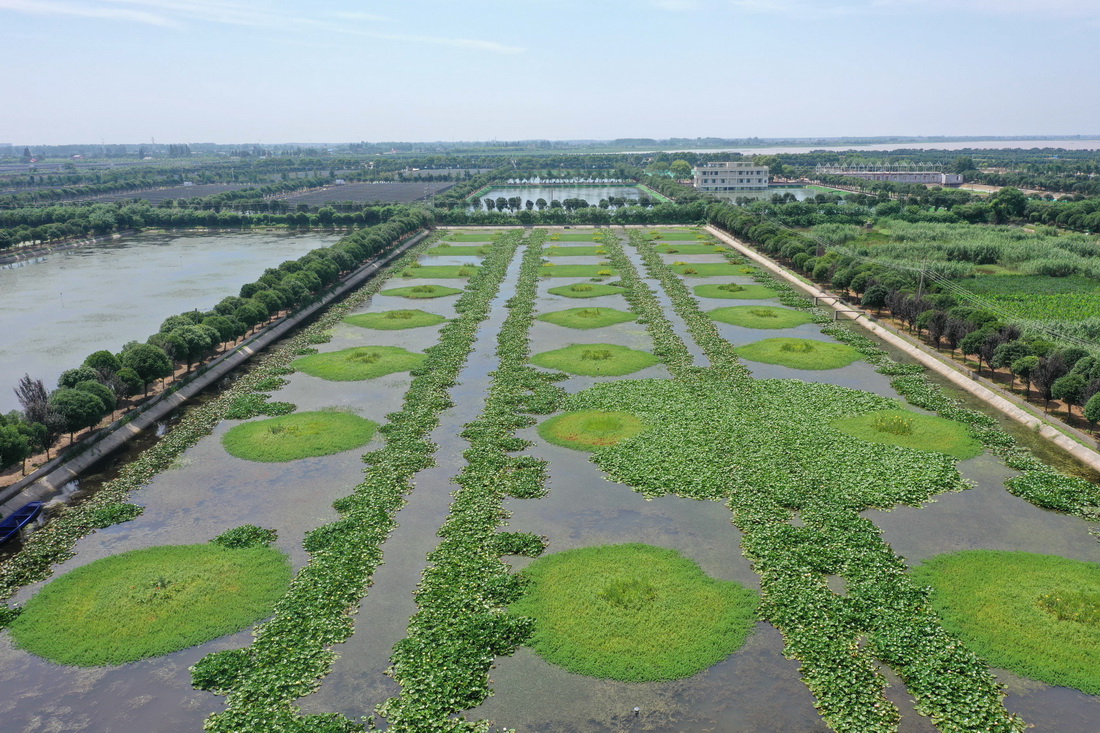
(472,236)
(430,271)
(589,236)
(710,269)
(1037,615)
(587,317)
(761,316)
(800,353)
(300,435)
(691,249)
(596,360)
(552,270)
(912,430)
(590,429)
(735,291)
(150,602)
(395,320)
(1071,298)
(675,234)
(586,290)
(422,291)
(360,362)
(445,250)
(575,251)
(633,612)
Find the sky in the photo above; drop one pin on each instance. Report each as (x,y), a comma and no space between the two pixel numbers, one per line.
(271,71)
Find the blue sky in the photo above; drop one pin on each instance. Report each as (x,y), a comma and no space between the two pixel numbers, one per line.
(276,71)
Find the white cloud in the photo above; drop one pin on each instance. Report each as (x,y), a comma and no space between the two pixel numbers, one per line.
(40,7)
(259,16)
(1081,9)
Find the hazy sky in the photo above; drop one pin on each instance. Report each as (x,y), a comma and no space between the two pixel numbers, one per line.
(337,70)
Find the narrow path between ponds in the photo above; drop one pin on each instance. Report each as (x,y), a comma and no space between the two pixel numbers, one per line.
(358,682)
(678,326)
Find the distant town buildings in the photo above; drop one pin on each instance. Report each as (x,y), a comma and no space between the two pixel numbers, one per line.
(731,176)
(897,174)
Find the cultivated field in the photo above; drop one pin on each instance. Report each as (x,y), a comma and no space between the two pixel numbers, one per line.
(362,193)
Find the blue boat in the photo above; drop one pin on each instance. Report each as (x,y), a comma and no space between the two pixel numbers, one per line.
(24,515)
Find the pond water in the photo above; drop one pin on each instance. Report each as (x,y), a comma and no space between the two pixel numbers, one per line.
(57,309)
(591,194)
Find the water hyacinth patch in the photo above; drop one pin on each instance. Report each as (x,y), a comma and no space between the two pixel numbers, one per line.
(800,353)
(749,316)
(299,435)
(585,290)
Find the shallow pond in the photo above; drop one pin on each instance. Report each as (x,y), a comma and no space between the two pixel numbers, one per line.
(57,309)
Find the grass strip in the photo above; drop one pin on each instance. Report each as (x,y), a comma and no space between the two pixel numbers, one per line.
(359,362)
(709,269)
(633,612)
(292,651)
(585,318)
(150,602)
(300,435)
(395,320)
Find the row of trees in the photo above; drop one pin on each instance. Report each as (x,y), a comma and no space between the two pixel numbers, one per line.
(92,391)
(515,203)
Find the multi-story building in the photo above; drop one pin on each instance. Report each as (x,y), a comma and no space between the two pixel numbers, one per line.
(731,176)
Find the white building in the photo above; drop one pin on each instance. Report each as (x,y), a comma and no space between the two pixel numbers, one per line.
(731,176)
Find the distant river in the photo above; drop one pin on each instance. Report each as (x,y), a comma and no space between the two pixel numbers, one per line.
(56,310)
(972,145)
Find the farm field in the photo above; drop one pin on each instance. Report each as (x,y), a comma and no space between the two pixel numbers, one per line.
(533,490)
(176,193)
(362,193)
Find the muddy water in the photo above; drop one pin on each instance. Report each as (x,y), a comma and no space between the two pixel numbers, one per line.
(56,310)
(358,683)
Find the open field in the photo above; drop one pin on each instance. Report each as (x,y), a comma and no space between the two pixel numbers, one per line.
(365,193)
(545,534)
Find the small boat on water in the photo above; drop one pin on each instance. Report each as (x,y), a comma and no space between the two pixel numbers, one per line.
(24,515)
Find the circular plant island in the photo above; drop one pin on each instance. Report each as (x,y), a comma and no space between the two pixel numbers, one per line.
(633,612)
(395,320)
(299,435)
(150,602)
(912,430)
(735,291)
(586,290)
(596,360)
(1036,615)
(590,429)
(584,318)
(358,363)
(761,316)
(422,291)
(800,353)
